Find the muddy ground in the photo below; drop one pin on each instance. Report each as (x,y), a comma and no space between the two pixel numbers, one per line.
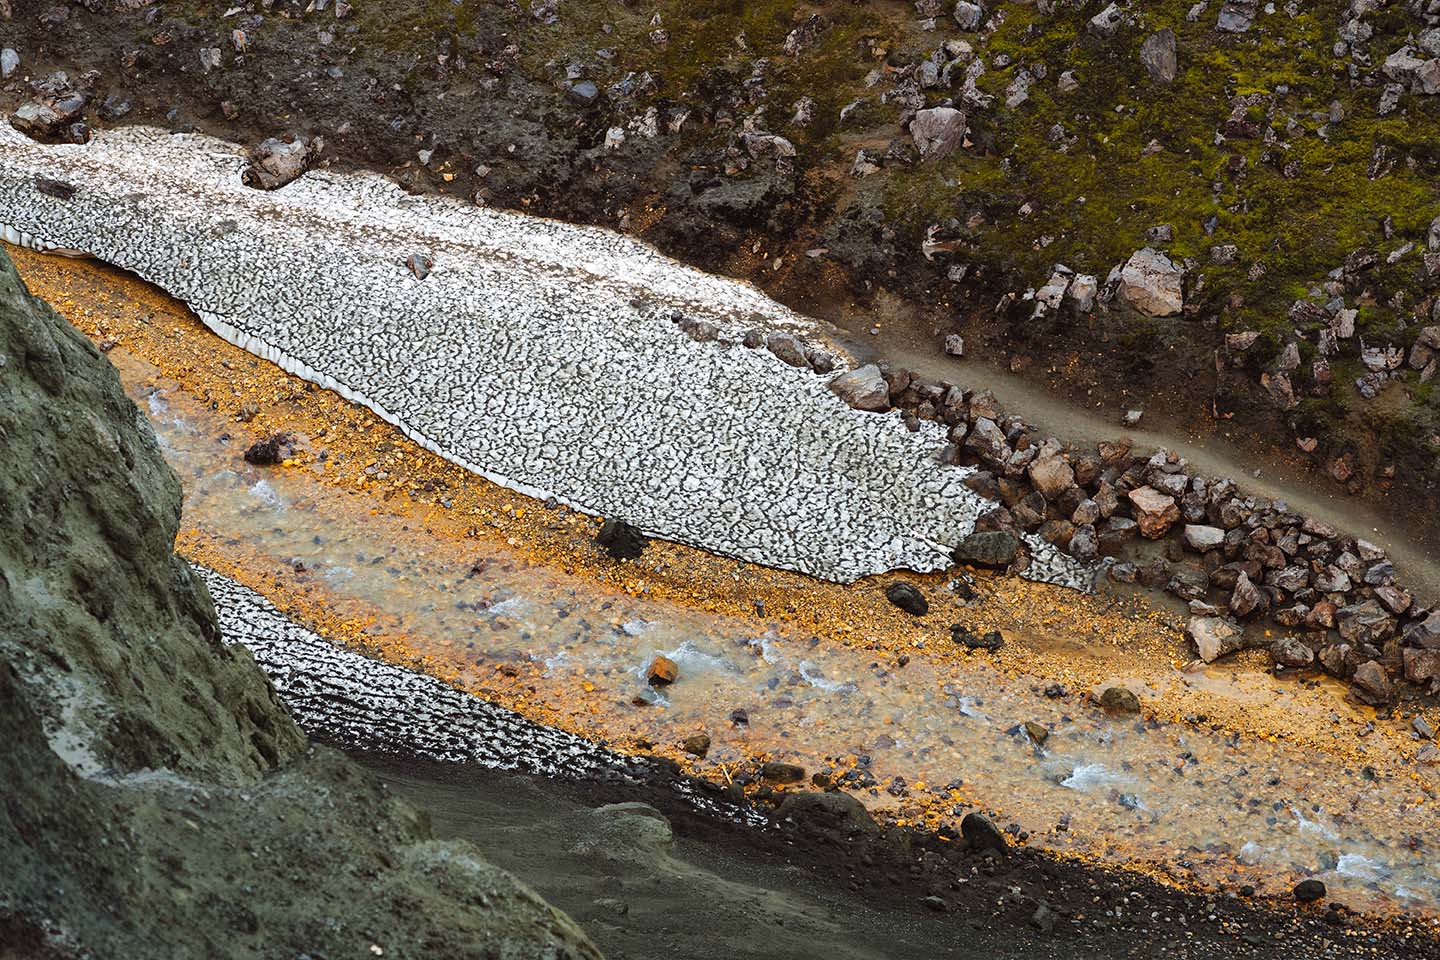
(477,99)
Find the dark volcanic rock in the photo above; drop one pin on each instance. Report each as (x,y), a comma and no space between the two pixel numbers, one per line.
(965,637)
(988,548)
(621,540)
(1309,890)
(907,598)
(980,834)
(270,451)
(835,817)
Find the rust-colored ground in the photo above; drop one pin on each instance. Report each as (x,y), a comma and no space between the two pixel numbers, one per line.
(1052,635)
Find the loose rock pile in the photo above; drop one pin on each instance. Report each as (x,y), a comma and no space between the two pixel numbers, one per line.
(1234,558)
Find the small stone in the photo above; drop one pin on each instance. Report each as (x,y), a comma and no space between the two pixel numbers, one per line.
(955,345)
(9,62)
(1036,732)
(621,540)
(697,746)
(270,451)
(1309,890)
(907,598)
(782,772)
(662,672)
(1423,728)
(420,265)
(1119,700)
(965,637)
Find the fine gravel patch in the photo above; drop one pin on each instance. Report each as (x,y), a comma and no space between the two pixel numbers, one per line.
(557,360)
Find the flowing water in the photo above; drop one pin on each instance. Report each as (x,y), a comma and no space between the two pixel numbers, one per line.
(1209,805)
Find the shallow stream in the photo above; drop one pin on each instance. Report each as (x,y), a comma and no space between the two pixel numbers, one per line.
(1201,804)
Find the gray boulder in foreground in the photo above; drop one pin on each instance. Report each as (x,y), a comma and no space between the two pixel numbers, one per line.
(150,773)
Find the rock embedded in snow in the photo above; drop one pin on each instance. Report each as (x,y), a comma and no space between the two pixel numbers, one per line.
(988,548)
(937,131)
(1152,284)
(863,388)
(1213,637)
(274,163)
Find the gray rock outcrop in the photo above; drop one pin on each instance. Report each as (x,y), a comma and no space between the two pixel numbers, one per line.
(151,773)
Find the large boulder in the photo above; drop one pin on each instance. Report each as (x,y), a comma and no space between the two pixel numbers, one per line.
(937,131)
(1214,637)
(1155,512)
(1152,284)
(1052,476)
(863,388)
(1158,56)
(988,548)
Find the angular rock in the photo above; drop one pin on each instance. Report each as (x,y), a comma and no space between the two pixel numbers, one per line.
(907,598)
(1421,666)
(621,540)
(1203,539)
(863,388)
(937,131)
(662,672)
(987,548)
(1372,684)
(1248,600)
(1158,56)
(1292,652)
(1155,512)
(1152,284)
(1213,637)
(1425,633)
(1052,476)
(980,834)
(1364,622)
(274,163)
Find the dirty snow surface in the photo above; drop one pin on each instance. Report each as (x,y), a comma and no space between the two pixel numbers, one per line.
(543,356)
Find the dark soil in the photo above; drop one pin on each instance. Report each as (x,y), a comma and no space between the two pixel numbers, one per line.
(822,883)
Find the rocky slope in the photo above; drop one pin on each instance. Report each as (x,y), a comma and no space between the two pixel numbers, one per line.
(1255,183)
(159,801)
